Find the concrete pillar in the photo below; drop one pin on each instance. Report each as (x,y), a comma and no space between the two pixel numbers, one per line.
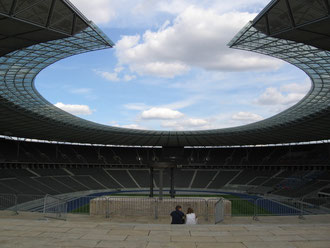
(172,192)
(161,184)
(151,194)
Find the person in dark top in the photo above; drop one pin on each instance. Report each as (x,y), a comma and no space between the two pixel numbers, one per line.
(177,216)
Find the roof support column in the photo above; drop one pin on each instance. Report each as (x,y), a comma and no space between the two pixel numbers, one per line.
(13,7)
(293,23)
(73,23)
(327,4)
(50,13)
(267,25)
(172,191)
(151,193)
(161,177)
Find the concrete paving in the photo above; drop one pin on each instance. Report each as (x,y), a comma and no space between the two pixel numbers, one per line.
(27,231)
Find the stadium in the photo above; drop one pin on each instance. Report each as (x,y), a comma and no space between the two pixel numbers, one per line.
(59,166)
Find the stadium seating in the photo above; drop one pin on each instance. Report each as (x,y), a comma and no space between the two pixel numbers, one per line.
(249,176)
(44,168)
(223,178)
(18,186)
(83,179)
(141,177)
(203,178)
(52,183)
(98,174)
(123,178)
(45,153)
(50,172)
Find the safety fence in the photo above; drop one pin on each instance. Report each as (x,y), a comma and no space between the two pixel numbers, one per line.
(95,205)
(257,206)
(211,209)
(55,207)
(21,202)
(143,207)
(7,202)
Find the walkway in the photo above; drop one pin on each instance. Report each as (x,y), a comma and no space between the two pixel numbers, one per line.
(33,231)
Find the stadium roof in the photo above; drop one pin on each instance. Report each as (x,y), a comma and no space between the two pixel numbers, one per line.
(35,34)
(25,23)
(305,21)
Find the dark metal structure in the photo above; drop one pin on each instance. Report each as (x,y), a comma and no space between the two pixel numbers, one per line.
(35,34)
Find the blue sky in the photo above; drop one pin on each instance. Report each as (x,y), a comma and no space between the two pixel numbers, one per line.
(171,68)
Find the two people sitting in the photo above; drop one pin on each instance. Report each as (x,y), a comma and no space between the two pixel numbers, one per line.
(178,217)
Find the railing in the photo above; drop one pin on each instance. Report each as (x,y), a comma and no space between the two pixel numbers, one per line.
(7,201)
(55,207)
(59,206)
(320,205)
(21,202)
(241,207)
(257,206)
(144,207)
(110,207)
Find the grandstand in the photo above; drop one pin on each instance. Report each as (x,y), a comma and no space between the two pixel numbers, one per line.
(278,166)
(43,168)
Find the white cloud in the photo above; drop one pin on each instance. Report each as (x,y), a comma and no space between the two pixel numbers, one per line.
(191,34)
(186,124)
(246,117)
(115,75)
(177,6)
(118,69)
(160,69)
(297,88)
(110,76)
(272,96)
(129,77)
(156,113)
(277,99)
(196,38)
(99,11)
(212,122)
(128,51)
(75,109)
(128,13)
(131,126)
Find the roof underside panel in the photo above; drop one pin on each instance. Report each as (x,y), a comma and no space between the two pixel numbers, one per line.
(287,30)
(33,11)
(5,6)
(28,22)
(305,21)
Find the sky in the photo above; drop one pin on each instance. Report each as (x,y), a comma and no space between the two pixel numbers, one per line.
(171,68)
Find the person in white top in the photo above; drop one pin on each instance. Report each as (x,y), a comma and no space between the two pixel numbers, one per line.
(191,218)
